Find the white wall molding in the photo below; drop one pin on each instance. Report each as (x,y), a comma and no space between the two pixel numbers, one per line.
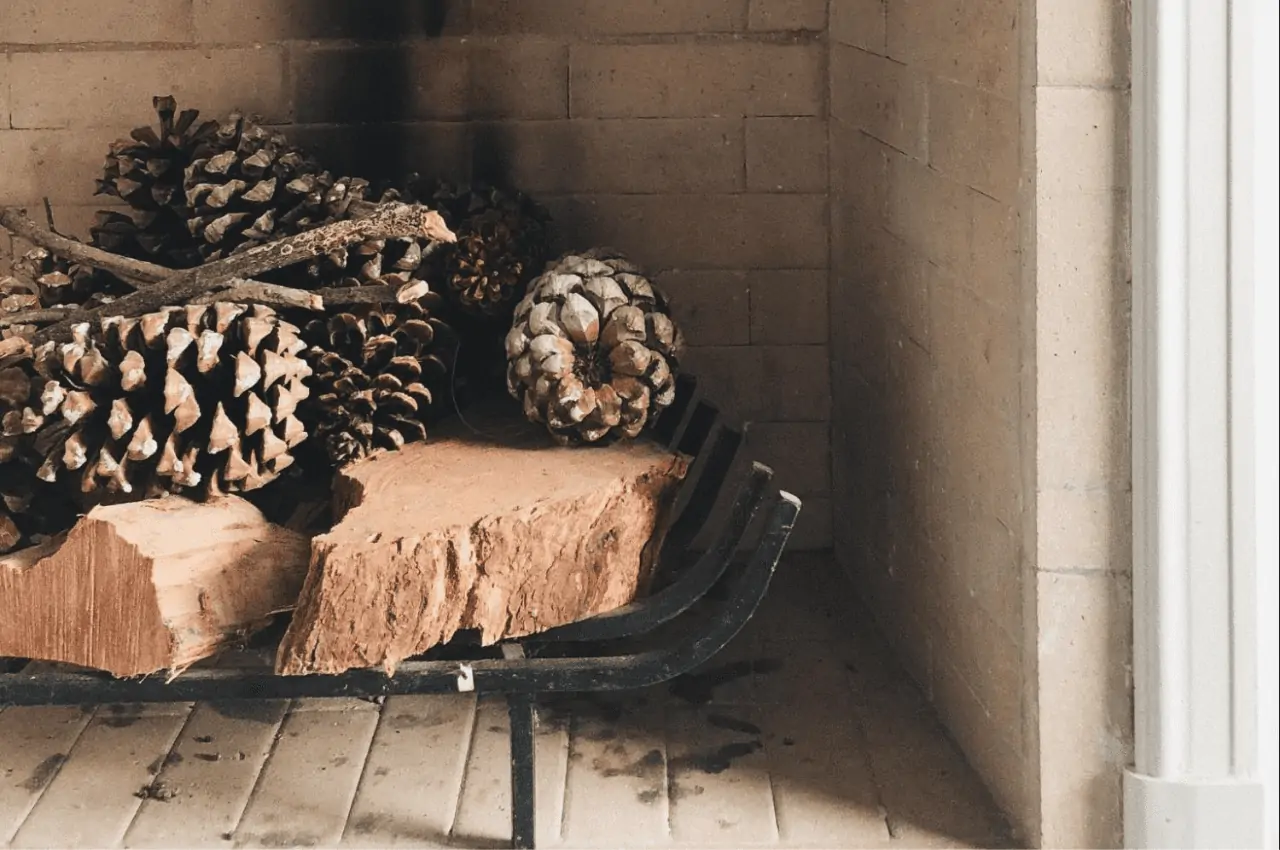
(1195,781)
(1264,76)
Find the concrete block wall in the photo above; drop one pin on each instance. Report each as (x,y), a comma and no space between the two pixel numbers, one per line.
(926,329)
(979,363)
(690,133)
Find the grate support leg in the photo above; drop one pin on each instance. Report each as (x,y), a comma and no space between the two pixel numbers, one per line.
(523,802)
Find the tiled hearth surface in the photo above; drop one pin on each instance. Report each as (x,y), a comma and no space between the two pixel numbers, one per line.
(810,738)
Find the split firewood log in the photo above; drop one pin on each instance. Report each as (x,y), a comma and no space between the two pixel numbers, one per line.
(152,586)
(499,533)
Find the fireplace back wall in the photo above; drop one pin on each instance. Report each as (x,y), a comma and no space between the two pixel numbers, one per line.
(691,135)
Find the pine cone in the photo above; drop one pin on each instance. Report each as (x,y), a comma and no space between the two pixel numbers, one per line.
(502,245)
(201,396)
(41,280)
(378,375)
(248,185)
(146,172)
(593,349)
(27,509)
(10,534)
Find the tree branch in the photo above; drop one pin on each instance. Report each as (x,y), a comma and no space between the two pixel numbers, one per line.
(48,216)
(18,223)
(33,317)
(270,294)
(386,221)
(349,296)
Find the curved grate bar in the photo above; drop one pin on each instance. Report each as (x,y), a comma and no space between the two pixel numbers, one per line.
(668,426)
(702,421)
(697,500)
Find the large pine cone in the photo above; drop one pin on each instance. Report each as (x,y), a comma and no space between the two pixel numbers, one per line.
(248,185)
(146,172)
(593,350)
(183,398)
(503,243)
(379,377)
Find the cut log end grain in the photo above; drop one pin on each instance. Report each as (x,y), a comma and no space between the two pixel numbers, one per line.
(506,535)
(150,586)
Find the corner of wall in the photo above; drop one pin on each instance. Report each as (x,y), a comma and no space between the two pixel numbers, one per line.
(1080,545)
(1030,820)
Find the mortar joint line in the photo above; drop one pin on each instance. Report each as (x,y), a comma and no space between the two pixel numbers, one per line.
(40,794)
(364,770)
(470,734)
(262,768)
(164,764)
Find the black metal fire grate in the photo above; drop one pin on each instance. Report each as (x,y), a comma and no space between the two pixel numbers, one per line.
(603,653)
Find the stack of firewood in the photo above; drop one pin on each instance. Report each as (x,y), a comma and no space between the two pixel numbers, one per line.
(250,324)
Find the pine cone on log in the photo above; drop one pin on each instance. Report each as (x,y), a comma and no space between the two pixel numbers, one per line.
(379,375)
(195,399)
(503,243)
(593,350)
(146,171)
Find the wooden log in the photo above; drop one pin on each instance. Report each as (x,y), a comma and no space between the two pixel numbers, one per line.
(149,586)
(507,535)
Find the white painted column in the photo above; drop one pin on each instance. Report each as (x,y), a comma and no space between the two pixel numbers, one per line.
(1198,628)
(1266,269)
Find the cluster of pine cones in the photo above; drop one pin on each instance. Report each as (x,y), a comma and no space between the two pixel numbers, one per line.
(225,397)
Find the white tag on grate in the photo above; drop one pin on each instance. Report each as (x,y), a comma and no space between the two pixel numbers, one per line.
(466,679)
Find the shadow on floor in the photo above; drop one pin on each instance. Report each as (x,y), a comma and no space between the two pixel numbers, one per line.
(803,728)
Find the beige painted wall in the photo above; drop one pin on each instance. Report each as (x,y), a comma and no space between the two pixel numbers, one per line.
(979,360)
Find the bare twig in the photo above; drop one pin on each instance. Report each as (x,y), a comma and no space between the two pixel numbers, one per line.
(34,317)
(387,221)
(134,271)
(270,294)
(348,296)
(48,216)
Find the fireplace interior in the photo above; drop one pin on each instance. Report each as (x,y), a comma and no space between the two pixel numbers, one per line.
(892,234)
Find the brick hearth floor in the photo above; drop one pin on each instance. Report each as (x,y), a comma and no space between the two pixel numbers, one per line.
(823,745)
